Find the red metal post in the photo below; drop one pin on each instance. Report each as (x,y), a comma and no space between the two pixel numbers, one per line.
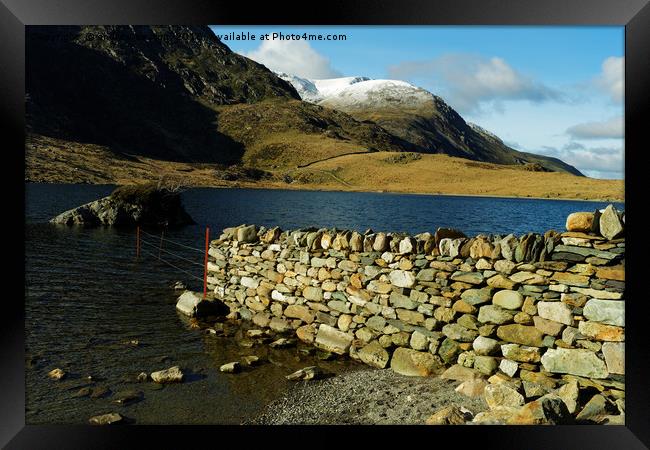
(137,242)
(205,262)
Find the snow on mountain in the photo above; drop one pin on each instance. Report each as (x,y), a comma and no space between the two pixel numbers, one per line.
(378,94)
(357,92)
(305,87)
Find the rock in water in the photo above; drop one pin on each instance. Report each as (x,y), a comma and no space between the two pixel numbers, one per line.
(56,374)
(231,367)
(171,375)
(146,204)
(106,419)
(307,373)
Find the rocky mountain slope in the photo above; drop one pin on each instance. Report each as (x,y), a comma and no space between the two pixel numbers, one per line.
(165,93)
(420,118)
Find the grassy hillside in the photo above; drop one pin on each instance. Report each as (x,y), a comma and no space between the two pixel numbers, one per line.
(57,161)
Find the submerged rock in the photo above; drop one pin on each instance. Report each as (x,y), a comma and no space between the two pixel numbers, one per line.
(146,204)
(106,419)
(307,373)
(171,375)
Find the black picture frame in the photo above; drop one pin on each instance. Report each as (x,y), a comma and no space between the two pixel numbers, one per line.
(633,14)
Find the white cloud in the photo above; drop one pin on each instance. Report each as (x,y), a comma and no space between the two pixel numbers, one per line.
(609,129)
(612,78)
(471,82)
(293,57)
(596,162)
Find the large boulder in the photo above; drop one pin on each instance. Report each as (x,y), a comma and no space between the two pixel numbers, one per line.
(147,204)
(611,224)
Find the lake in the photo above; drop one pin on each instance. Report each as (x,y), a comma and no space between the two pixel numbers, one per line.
(88,297)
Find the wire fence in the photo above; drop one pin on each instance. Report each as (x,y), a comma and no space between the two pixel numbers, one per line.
(161,245)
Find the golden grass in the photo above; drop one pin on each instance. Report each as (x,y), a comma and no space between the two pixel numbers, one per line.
(55,161)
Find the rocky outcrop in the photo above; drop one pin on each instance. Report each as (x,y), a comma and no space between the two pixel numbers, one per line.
(130,206)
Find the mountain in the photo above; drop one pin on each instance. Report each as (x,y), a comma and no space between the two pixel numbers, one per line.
(418,117)
(117,94)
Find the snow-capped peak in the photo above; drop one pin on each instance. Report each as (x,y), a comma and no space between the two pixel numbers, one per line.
(351,92)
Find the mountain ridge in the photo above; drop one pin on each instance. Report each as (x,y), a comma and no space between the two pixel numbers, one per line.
(421,118)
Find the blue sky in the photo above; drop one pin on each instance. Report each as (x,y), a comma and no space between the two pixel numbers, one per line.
(549,90)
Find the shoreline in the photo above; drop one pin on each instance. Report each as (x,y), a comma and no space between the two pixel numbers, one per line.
(323,189)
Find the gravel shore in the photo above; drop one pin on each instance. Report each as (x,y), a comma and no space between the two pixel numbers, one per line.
(365,397)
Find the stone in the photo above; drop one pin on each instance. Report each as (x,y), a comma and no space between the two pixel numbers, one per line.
(569,394)
(300,312)
(472,388)
(247,234)
(580,222)
(494,314)
(611,273)
(546,326)
(106,419)
(401,301)
(448,350)
(485,346)
(547,410)
(56,374)
(497,416)
(348,266)
(333,340)
(406,361)
(508,299)
(192,304)
(376,323)
(279,325)
(477,296)
(601,332)
(231,367)
(460,373)
(450,415)
(306,373)
(402,278)
(459,333)
(555,311)
(534,390)
(499,281)
(578,362)
(521,334)
(379,287)
(486,365)
(508,367)
(614,353)
(312,293)
(521,353)
(480,248)
(598,293)
(419,341)
(596,407)
(497,395)
(468,277)
(611,225)
(610,312)
(171,375)
(374,355)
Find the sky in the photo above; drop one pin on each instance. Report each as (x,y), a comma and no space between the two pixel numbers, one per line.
(555,91)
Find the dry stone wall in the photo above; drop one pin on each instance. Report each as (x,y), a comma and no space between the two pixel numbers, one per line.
(541,310)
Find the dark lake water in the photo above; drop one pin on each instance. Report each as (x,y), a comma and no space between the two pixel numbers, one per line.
(87,295)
